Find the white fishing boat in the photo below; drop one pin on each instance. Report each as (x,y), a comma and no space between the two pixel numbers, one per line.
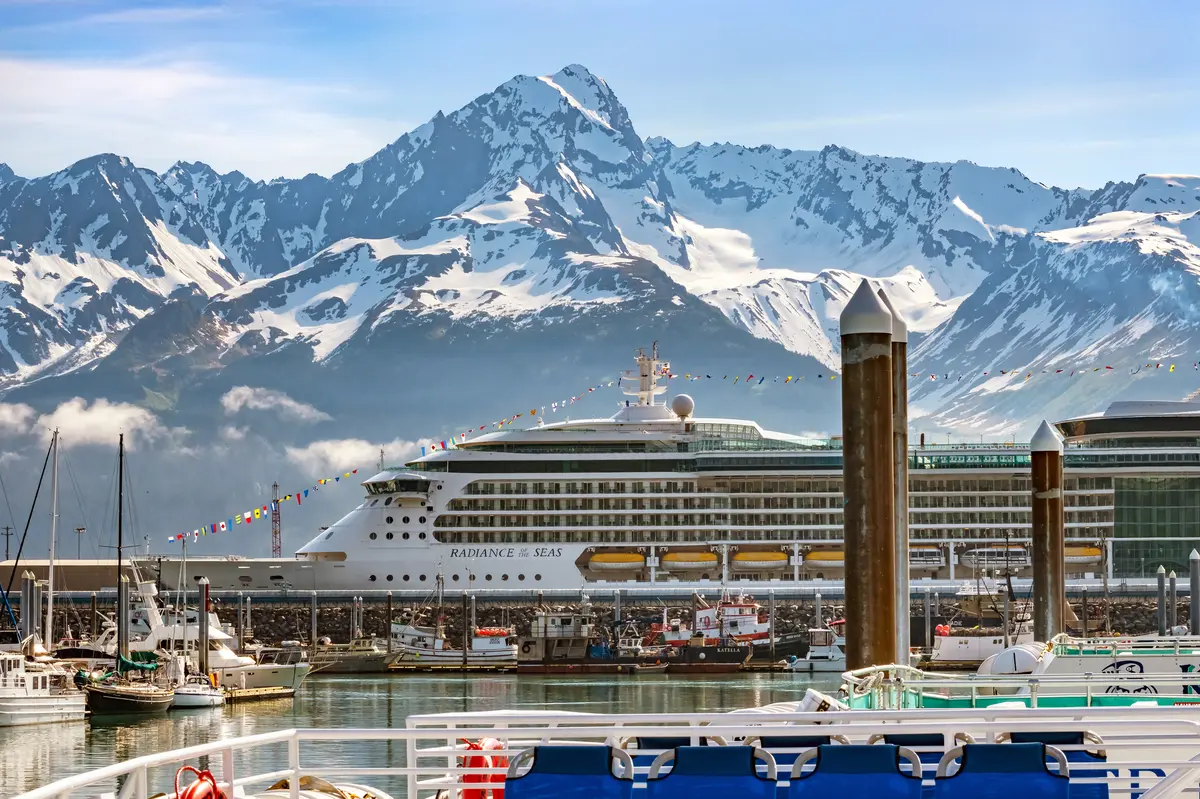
(826,651)
(420,647)
(37,693)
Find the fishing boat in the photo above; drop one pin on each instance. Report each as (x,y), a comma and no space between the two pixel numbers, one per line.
(424,647)
(36,693)
(735,618)
(122,698)
(826,651)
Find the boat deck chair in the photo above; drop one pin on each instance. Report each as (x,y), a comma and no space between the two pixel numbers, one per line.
(1002,771)
(650,747)
(786,748)
(711,772)
(1079,759)
(570,772)
(857,771)
(929,746)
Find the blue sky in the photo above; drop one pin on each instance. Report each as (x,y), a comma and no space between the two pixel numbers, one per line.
(1071,93)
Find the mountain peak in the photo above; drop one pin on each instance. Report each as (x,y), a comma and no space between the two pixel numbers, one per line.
(592,93)
(6,173)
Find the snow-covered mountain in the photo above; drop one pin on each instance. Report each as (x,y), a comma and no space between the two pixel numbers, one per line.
(537,225)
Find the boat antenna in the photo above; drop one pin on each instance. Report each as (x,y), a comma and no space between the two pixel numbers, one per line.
(12,575)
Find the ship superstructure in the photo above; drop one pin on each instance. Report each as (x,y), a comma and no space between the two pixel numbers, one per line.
(656,494)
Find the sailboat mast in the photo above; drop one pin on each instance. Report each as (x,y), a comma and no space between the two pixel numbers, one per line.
(48,638)
(120,500)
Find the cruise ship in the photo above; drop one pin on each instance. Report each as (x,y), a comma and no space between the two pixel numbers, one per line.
(657,495)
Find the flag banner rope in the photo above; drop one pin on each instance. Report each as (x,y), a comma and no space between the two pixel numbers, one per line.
(259,513)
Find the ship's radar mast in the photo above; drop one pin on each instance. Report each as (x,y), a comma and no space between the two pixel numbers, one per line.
(643,383)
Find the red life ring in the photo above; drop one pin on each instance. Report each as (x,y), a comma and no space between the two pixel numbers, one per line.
(482,761)
(942,630)
(205,786)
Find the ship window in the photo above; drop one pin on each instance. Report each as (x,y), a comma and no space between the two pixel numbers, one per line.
(391,519)
(520,577)
(405,536)
(406,578)
(374,502)
(389,578)
(489,577)
(455,578)
(537,576)
(387,501)
(373,536)
(421,520)
(422,578)
(372,578)
(421,536)
(389,536)
(504,577)
(329,535)
(245,578)
(405,520)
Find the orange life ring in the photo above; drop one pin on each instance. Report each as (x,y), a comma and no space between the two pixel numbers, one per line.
(205,786)
(482,761)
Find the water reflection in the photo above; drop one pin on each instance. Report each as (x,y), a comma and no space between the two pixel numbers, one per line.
(31,756)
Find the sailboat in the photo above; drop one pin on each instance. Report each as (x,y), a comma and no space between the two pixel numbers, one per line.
(120,695)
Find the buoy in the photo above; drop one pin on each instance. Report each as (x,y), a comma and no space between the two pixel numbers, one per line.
(482,761)
(205,786)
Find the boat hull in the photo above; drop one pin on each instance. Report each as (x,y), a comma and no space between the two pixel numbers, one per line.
(264,676)
(17,711)
(374,663)
(118,700)
(412,659)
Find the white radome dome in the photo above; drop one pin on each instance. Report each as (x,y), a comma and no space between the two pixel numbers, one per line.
(682,405)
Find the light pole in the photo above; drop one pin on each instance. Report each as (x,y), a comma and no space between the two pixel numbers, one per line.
(79,531)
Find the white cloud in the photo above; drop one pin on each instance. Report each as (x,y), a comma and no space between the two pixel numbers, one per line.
(15,418)
(100,422)
(241,398)
(57,112)
(233,433)
(322,458)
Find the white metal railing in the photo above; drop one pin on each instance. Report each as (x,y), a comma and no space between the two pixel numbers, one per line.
(1154,753)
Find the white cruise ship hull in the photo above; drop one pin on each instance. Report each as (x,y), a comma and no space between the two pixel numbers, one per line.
(16,711)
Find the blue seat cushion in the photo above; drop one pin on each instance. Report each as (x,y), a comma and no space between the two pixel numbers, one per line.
(1079,759)
(920,740)
(711,772)
(856,772)
(1002,771)
(581,772)
(784,760)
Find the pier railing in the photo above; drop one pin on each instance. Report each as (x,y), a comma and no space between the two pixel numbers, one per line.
(1152,753)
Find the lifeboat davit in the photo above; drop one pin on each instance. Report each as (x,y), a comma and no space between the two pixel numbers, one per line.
(758,561)
(689,561)
(616,561)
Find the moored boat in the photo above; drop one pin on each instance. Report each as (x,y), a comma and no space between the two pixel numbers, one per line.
(197,691)
(36,693)
(121,698)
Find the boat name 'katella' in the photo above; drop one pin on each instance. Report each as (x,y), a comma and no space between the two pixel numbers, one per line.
(506,552)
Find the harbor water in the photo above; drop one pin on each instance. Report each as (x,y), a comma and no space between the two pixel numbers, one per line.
(32,756)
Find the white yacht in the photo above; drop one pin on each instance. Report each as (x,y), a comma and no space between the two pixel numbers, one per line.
(658,495)
(36,693)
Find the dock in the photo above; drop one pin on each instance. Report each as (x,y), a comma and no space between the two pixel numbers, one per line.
(236,695)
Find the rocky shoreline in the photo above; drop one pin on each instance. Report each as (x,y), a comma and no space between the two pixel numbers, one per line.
(277,621)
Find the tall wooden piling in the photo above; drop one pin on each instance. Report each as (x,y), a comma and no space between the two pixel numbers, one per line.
(1049,571)
(868,484)
(900,477)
